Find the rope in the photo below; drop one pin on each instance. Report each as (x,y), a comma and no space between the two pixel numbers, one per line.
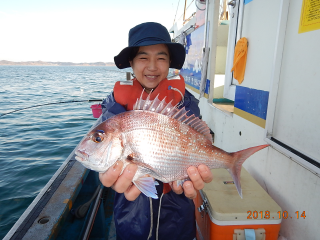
(159,216)
(40,105)
(176,13)
(151,219)
(182,97)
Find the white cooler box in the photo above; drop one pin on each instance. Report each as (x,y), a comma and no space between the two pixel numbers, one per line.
(222,215)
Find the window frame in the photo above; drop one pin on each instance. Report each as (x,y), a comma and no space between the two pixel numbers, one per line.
(235,30)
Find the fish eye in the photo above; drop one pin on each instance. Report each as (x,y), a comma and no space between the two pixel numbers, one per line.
(97,137)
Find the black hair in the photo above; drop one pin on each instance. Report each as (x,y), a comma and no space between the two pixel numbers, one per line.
(133,53)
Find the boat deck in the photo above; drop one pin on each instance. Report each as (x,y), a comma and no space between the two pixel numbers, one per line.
(52,215)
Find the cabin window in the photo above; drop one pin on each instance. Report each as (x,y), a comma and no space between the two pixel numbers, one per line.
(227,16)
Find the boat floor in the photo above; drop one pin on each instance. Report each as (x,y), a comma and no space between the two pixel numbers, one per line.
(103,226)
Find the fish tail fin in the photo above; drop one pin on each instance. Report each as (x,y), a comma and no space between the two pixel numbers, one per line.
(239,158)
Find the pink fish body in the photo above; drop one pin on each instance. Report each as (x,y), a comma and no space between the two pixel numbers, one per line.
(162,140)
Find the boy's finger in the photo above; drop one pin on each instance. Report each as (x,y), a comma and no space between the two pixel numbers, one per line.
(109,177)
(132,193)
(195,178)
(177,189)
(205,173)
(125,179)
(189,190)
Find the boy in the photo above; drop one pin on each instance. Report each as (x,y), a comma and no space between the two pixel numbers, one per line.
(150,54)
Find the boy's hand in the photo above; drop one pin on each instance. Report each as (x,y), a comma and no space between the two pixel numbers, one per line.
(198,177)
(122,183)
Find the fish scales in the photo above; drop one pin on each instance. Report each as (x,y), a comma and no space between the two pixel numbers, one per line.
(160,141)
(163,147)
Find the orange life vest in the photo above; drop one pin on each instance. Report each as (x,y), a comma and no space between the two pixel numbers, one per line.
(126,93)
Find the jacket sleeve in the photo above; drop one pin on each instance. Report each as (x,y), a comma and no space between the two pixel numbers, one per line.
(191,104)
(110,107)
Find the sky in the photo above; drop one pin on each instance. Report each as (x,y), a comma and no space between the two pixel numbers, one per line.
(75,30)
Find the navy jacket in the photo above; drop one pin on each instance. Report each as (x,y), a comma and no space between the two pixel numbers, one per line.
(134,219)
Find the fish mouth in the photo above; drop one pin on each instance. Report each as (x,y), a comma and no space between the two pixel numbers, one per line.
(81,156)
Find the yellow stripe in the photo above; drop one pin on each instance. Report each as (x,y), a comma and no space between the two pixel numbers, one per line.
(196,90)
(250,117)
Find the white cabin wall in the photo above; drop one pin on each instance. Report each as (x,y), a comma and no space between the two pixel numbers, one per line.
(292,186)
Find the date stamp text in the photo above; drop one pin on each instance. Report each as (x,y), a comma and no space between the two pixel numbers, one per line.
(280,215)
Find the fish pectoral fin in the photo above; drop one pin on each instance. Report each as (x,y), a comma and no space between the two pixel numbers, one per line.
(147,185)
(151,171)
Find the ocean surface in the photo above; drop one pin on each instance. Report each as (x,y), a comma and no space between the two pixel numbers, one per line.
(34,142)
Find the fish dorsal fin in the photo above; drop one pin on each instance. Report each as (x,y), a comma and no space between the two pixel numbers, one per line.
(168,109)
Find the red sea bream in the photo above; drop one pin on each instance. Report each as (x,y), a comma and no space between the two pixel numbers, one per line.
(162,140)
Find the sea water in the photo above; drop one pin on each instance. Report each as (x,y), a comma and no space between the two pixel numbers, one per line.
(34,142)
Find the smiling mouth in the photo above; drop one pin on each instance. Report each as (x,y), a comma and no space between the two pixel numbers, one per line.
(151,76)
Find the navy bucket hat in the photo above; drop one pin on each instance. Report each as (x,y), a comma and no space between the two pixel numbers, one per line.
(151,33)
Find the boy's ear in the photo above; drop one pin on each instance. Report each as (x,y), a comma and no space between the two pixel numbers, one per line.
(130,63)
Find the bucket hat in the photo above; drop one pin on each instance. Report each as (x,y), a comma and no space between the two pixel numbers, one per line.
(151,33)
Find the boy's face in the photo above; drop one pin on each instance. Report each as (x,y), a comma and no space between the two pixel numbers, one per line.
(151,65)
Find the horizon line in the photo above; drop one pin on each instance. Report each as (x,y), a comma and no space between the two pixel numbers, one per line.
(51,63)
